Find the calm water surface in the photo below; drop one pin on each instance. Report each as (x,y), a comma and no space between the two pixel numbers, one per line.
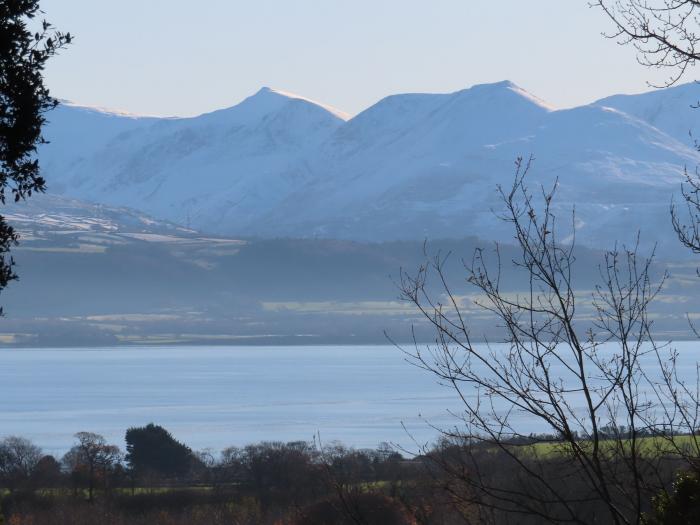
(220,396)
(214,397)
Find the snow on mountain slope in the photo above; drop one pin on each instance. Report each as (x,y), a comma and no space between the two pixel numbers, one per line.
(410,166)
(428,165)
(366,177)
(221,167)
(670,110)
(75,133)
(54,215)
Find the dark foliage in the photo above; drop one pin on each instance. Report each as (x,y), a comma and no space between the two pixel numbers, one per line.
(47,473)
(367,508)
(18,460)
(24,99)
(153,450)
(291,483)
(679,507)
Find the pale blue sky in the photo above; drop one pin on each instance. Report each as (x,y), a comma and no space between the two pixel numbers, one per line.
(166,57)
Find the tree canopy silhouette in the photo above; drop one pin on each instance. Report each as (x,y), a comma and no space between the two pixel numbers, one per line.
(153,449)
(24,100)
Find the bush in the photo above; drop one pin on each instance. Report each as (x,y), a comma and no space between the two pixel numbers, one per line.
(367,508)
(681,506)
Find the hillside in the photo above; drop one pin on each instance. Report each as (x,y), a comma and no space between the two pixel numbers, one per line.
(670,110)
(96,275)
(409,167)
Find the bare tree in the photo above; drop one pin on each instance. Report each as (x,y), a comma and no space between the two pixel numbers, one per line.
(18,459)
(665,33)
(686,218)
(91,458)
(583,367)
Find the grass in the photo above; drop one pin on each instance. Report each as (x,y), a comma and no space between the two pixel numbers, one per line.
(122,491)
(161,490)
(648,446)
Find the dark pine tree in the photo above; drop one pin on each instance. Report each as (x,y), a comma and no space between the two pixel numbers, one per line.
(153,450)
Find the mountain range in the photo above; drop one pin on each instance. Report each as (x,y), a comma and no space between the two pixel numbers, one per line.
(409,167)
(280,220)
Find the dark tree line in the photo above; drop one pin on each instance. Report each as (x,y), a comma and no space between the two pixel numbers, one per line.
(269,482)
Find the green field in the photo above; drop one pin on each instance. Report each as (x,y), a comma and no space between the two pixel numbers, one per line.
(647,446)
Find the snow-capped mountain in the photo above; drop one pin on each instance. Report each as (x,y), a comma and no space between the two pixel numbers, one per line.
(672,110)
(410,166)
(224,167)
(428,165)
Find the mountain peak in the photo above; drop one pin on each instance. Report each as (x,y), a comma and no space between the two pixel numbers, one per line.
(269,93)
(503,84)
(507,86)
